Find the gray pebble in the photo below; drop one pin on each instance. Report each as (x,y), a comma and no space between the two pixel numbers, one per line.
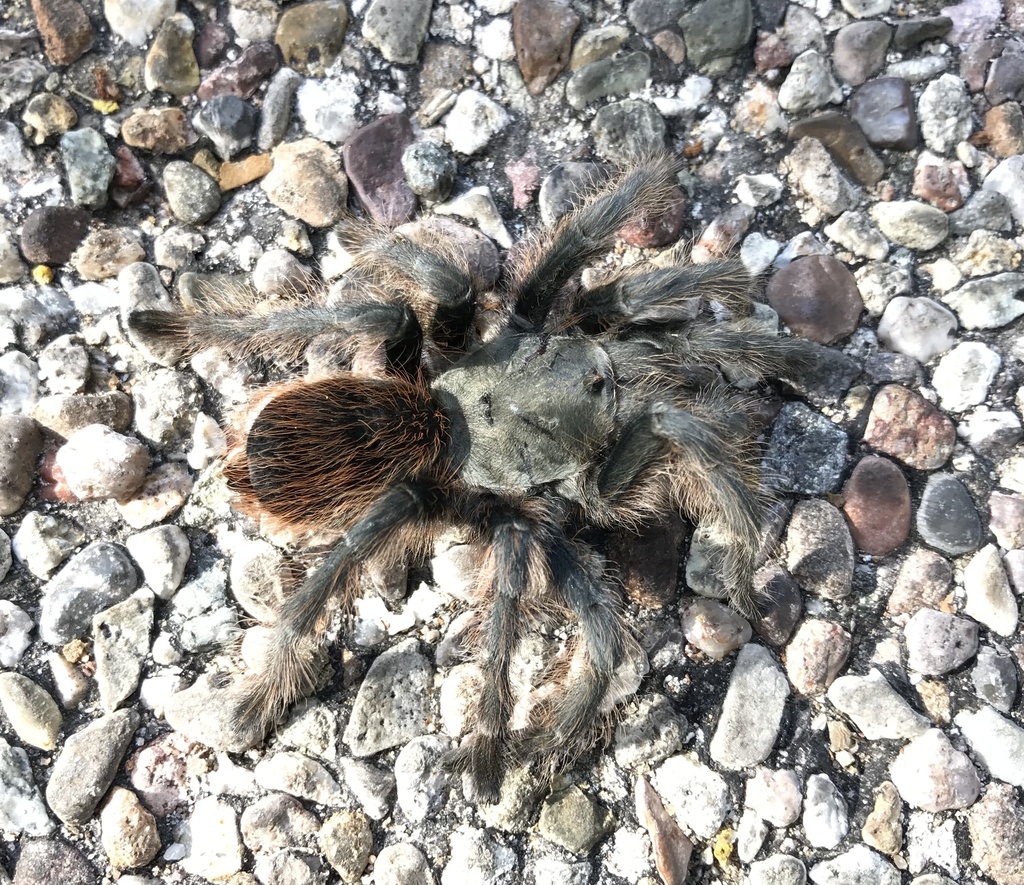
(933,776)
(393,704)
(298,776)
(276,111)
(649,733)
(774,795)
(20,442)
(879,282)
(87,765)
(809,84)
(371,785)
(608,76)
(806,452)
(429,169)
(473,121)
(140,288)
(963,376)
(995,679)
(946,517)
(820,553)
(64,365)
(121,643)
(779,869)
(918,327)
(984,210)
(43,542)
(312,728)
(944,113)
(420,778)
(715,31)
(192,195)
(626,129)
(997,743)
(21,804)
(573,820)
(89,165)
(859,50)
(15,627)
(853,230)
(911,224)
(476,856)
(19,383)
(989,597)
(229,122)
(564,188)
(278,272)
(166,405)
(1007,180)
(98,577)
(752,710)
(650,16)
(402,864)
(938,642)
(99,463)
(397,29)
(989,303)
(859,864)
(205,712)
(825,818)
(875,707)
(162,553)
(714,628)
(201,612)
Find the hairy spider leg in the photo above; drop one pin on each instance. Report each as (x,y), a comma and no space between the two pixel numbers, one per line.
(585,234)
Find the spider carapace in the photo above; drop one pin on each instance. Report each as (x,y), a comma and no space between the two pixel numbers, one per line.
(605,406)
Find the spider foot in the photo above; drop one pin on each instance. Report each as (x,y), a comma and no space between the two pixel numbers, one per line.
(481,758)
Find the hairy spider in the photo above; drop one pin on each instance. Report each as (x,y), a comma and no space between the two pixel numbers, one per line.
(599,407)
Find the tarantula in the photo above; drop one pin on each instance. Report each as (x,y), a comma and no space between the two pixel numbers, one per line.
(600,407)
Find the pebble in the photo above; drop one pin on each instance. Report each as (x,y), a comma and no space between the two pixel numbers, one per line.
(476,856)
(989,597)
(128,832)
(825,818)
(996,826)
(942,183)
(918,327)
(307,182)
(671,847)
(944,113)
(995,679)
(923,581)
(1006,519)
(542,32)
(815,175)
(938,642)
(1004,129)
(626,129)
(402,864)
(876,501)
(996,742)
(15,627)
(373,163)
(21,806)
(135,21)
(779,869)
(875,707)
(859,864)
(1007,180)
(392,706)
(820,549)
(397,29)
(648,733)
(964,375)
(473,121)
(986,210)
(781,605)
(87,765)
(64,365)
(602,42)
(420,780)
(229,122)
(213,847)
(809,84)
(19,390)
(698,795)
(49,115)
(1005,78)
(845,141)
(162,553)
(884,110)
(853,230)
(98,463)
(276,822)
(275,113)
(166,405)
(477,204)
(241,77)
(608,76)
(573,820)
(89,166)
(774,795)
(516,808)
(65,28)
(31,712)
(816,297)
(164,772)
(20,443)
(815,655)
(429,170)
(906,426)
(160,130)
(120,644)
(806,452)
(193,196)
(988,303)
(105,252)
(911,224)
(933,776)
(752,710)
(258,579)
(162,494)
(715,31)
(298,776)
(859,50)
(171,64)
(759,190)
(883,828)
(347,842)
(714,628)
(651,16)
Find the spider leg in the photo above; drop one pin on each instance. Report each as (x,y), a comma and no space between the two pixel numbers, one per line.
(247,330)
(745,344)
(289,671)
(504,578)
(587,233)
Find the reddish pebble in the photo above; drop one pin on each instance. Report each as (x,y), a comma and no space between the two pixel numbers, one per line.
(908,427)
(373,161)
(817,297)
(658,230)
(770,52)
(671,846)
(65,28)
(815,656)
(877,504)
(242,76)
(941,183)
(212,44)
(131,184)
(923,582)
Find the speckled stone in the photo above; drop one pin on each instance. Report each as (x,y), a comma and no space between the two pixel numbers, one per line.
(397,29)
(947,518)
(65,28)
(52,233)
(171,64)
(241,77)
(626,129)
(820,551)
(715,31)
(902,423)
(307,182)
(918,327)
(996,826)
(311,35)
(938,642)
(806,452)
(193,196)
(924,580)
(859,50)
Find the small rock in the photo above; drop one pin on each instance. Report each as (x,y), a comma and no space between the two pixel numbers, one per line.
(806,452)
(609,76)
(816,175)
(15,627)
(877,487)
(542,31)
(229,122)
(859,864)
(21,807)
(911,224)
(402,864)
(478,205)
(121,643)
(715,32)
(128,831)
(241,77)
(162,494)
(473,121)
(298,776)
(573,820)
(944,111)
(875,707)
(884,110)
(171,64)
(859,50)
(809,84)
(989,303)
(420,780)
(854,231)
(817,298)
(933,776)
(672,848)
(989,597)
(714,628)
(20,443)
(307,182)
(905,425)
(99,463)
(1004,129)
(883,829)
(964,375)
(995,679)
(31,712)
(211,840)
(627,129)
(476,856)
(311,35)
(161,130)
(105,252)
(193,196)
(997,743)
(918,327)
(89,165)
(373,162)
(135,21)
(938,642)
(649,734)
(52,233)
(996,826)
(65,28)
(825,818)
(779,869)
(815,655)
(1007,180)
(987,210)
(820,549)
(697,794)
(397,29)
(347,842)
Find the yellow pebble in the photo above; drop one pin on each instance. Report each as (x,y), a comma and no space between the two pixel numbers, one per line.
(42,274)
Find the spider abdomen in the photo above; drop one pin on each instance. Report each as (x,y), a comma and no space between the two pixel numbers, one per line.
(529,410)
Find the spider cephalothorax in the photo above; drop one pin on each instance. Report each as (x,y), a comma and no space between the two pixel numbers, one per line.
(592,407)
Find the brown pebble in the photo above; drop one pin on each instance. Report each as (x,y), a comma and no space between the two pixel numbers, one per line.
(882,829)
(923,582)
(311,35)
(817,297)
(658,230)
(161,130)
(52,233)
(65,29)
(815,655)
(373,161)
(906,426)
(128,831)
(307,182)
(542,33)
(940,183)
(131,184)
(672,45)
(723,234)
(877,504)
(671,846)
(770,52)
(648,562)
(242,76)
(1004,129)
(212,44)
(996,825)
(845,141)
(234,174)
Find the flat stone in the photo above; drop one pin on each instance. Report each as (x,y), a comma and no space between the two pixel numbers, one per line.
(542,32)
(671,846)
(817,297)
(845,141)
(918,327)
(609,76)
(121,643)
(876,501)
(715,31)
(820,549)
(20,444)
(938,642)
(397,29)
(1004,129)
(906,426)
(876,708)
(859,50)
(884,110)
(947,518)
(989,303)
(373,162)
(826,817)
(806,452)
(911,224)
(915,31)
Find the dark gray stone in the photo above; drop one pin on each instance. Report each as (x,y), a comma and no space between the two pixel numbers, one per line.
(947,518)
(806,453)
(884,110)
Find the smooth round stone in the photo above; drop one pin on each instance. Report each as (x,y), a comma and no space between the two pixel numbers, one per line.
(938,642)
(946,518)
(911,224)
(229,122)
(715,628)
(918,327)
(275,113)
(307,182)
(816,654)
(859,50)
(906,426)
(30,710)
(963,376)
(90,167)
(817,297)
(171,64)
(877,504)
(884,110)
(994,677)
(626,129)
(875,707)
(193,195)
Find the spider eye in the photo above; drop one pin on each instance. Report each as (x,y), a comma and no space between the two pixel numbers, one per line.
(596,382)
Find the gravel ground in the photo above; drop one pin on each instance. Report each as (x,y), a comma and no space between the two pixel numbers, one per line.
(865,156)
